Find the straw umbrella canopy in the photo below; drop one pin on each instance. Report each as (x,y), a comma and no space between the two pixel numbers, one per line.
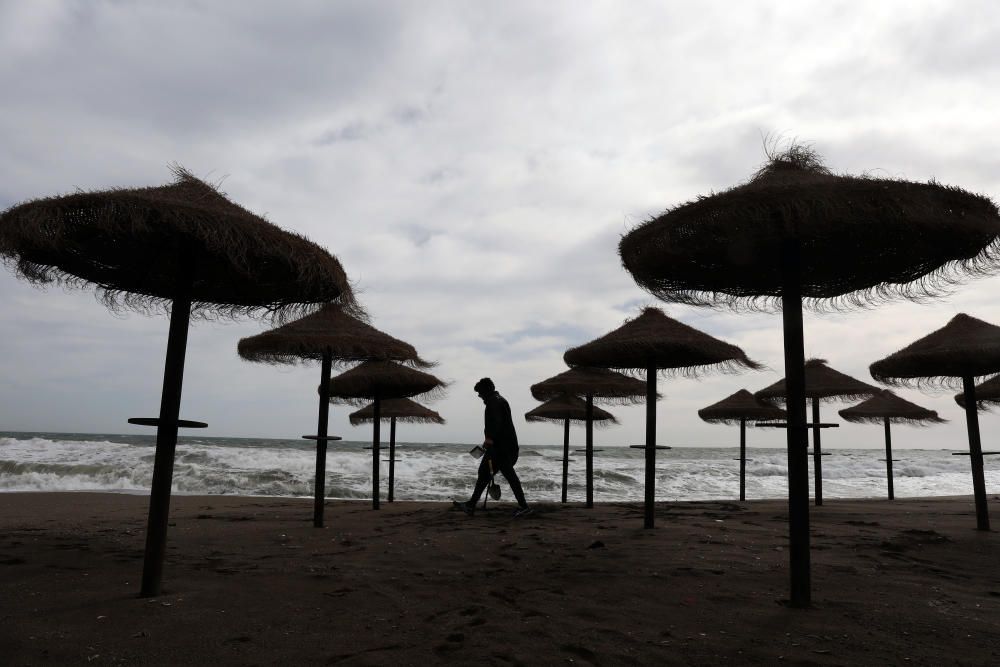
(822,383)
(963,350)
(395,409)
(740,408)
(377,381)
(564,408)
(654,342)
(182,247)
(886,408)
(328,335)
(987,394)
(595,385)
(797,232)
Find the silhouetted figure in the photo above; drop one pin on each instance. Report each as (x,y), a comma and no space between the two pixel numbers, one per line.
(500,443)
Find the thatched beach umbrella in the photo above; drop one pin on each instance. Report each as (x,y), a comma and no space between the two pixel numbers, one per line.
(740,408)
(987,394)
(653,342)
(395,409)
(564,408)
(961,351)
(822,383)
(182,247)
(328,335)
(595,385)
(796,232)
(886,408)
(377,381)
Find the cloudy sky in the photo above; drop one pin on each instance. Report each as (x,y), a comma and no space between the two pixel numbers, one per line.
(473,166)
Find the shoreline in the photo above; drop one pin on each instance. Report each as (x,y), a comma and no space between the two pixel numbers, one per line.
(248,580)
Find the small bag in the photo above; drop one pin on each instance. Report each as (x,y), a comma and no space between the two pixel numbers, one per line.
(493,490)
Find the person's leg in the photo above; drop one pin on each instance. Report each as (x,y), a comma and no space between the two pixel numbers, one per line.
(515,484)
(481,481)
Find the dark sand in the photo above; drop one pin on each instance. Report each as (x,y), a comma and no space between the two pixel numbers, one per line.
(249,581)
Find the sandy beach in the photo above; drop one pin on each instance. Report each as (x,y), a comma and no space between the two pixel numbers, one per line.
(249,581)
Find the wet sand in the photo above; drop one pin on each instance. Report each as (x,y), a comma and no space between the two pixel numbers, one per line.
(249,581)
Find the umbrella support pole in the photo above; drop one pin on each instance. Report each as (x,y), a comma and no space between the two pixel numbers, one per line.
(888,458)
(392,457)
(565,469)
(166,444)
(797,438)
(743,460)
(319,490)
(590,451)
(976,454)
(376,441)
(817,453)
(649,510)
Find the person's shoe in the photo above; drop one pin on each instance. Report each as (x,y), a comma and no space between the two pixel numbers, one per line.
(465,507)
(522,511)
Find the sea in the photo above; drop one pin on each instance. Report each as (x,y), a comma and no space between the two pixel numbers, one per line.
(436,472)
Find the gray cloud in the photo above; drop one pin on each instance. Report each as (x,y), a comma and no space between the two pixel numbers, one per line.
(473,167)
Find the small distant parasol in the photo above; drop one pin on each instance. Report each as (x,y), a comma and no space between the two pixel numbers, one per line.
(596,385)
(329,335)
(741,408)
(377,381)
(653,342)
(963,350)
(822,383)
(395,409)
(886,408)
(564,408)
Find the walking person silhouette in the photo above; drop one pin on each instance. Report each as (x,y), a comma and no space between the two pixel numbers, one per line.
(500,445)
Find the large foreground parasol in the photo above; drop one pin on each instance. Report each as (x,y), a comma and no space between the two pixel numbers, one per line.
(182,247)
(822,383)
(963,350)
(653,342)
(595,385)
(395,409)
(328,335)
(741,408)
(564,408)
(796,232)
(377,381)
(886,408)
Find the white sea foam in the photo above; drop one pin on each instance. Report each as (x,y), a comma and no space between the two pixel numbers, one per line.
(59,462)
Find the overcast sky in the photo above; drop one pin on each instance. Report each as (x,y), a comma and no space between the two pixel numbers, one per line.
(472,166)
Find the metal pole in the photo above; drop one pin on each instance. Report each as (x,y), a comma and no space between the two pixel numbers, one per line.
(565,457)
(817,454)
(650,447)
(590,450)
(797,438)
(376,437)
(888,457)
(392,456)
(319,498)
(743,459)
(976,454)
(166,442)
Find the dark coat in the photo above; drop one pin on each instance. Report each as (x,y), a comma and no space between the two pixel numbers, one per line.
(499,427)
